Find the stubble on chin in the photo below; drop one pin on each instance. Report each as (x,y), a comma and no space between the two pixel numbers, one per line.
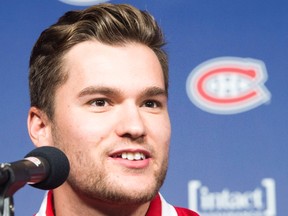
(97,186)
(90,181)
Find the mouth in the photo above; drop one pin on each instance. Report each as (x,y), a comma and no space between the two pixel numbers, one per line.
(132,159)
(131,156)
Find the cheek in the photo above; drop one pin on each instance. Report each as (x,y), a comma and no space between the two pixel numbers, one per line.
(165,135)
(161,128)
(160,132)
(76,128)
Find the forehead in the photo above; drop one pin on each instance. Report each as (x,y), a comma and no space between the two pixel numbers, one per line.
(92,62)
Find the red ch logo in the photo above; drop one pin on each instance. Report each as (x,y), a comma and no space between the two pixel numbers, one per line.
(228,85)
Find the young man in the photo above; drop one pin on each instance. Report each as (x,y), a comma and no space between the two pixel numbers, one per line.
(98,87)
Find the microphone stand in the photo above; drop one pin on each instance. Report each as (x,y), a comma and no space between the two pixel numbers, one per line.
(7,206)
(9,184)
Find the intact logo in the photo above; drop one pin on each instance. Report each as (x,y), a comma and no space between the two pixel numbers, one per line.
(260,201)
(83,2)
(228,85)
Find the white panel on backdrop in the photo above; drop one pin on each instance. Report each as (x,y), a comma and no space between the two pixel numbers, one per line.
(260,201)
(83,2)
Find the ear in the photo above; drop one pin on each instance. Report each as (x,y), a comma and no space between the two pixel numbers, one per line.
(39,127)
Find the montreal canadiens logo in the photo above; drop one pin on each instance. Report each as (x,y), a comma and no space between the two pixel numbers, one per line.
(228,85)
(82,2)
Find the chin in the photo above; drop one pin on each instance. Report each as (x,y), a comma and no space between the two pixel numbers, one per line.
(140,197)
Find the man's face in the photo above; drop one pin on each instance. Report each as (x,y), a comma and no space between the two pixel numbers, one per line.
(111,120)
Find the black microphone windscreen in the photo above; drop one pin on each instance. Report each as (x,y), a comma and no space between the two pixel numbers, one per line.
(58,163)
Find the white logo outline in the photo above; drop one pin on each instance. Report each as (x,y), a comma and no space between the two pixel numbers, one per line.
(252,74)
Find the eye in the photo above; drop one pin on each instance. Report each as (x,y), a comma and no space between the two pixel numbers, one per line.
(152,104)
(99,102)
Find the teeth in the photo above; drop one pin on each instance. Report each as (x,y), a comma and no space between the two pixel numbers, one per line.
(133,156)
(137,156)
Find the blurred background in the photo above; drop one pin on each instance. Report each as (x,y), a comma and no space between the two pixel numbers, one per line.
(227,158)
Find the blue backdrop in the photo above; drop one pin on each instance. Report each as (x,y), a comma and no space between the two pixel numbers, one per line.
(222,162)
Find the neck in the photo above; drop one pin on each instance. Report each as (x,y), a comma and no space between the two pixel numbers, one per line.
(67,202)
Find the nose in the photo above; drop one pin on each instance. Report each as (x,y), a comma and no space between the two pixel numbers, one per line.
(131,123)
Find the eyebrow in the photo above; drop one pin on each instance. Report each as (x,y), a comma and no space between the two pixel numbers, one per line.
(148,92)
(154,91)
(98,90)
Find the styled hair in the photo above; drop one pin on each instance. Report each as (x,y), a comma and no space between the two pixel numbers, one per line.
(111,24)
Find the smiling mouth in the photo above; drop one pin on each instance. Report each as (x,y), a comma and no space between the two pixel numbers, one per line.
(131,156)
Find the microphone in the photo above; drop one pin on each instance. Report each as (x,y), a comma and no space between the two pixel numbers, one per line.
(44,168)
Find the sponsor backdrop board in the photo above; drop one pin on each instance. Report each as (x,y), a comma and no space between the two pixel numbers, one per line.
(228,100)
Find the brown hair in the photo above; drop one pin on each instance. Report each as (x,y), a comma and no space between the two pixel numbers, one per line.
(107,23)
